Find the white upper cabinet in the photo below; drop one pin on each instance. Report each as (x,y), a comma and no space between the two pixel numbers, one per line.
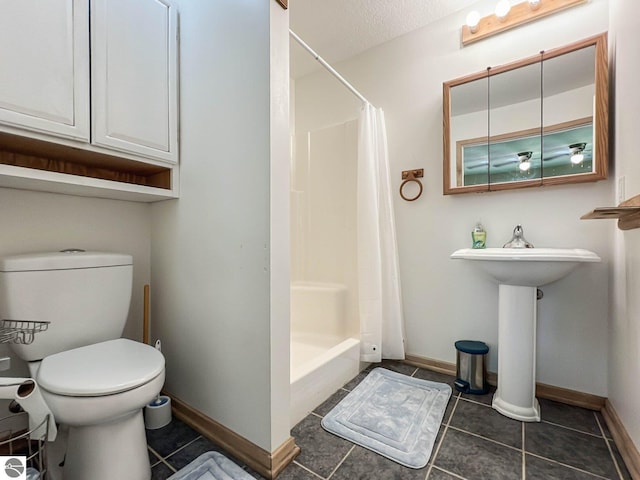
(134,77)
(98,75)
(44,67)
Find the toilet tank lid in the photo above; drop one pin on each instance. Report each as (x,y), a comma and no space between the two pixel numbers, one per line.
(65,260)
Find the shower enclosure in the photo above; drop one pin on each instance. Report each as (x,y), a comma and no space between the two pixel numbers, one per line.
(346,304)
(325,345)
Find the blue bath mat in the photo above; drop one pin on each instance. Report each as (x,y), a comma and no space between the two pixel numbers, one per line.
(392,414)
(211,466)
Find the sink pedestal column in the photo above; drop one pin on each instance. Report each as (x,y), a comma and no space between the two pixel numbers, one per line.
(516,393)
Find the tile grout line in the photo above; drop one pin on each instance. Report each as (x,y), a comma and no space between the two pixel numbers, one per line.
(457,429)
(606,442)
(524,453)
(453,474)
(571,467)
(475,402)
(444,433)
(544,421)
(308,470)
(488,405)
(158,456)
(572,429)
(341,462)
(161,460)
(181,448)
(168,465)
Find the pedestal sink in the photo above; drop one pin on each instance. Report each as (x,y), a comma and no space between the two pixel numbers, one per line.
(518,272)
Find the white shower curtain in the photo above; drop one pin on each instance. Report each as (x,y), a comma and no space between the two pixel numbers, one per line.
(380,301)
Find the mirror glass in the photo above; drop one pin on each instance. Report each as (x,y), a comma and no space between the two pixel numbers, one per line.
(515,125)
(469,127)
(538,121)
(569,88)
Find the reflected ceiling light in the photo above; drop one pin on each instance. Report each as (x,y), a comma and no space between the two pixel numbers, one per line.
(524,159)
(502,9)
(577,152)
(534,4)
(472,21)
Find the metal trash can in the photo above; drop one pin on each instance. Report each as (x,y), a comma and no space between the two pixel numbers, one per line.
(471,369)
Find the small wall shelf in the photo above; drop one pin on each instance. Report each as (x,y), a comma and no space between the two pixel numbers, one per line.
(627,213)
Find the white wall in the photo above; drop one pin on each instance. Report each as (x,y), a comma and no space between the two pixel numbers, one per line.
(35,221)
(446,300)
(220,300)
(280,248)
(624,350)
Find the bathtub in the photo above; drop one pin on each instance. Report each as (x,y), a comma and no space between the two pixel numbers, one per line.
(323,356)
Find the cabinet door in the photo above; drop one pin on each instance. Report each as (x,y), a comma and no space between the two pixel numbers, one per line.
(44,66)
(134,69)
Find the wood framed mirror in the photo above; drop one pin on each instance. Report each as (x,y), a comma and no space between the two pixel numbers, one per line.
(542,120)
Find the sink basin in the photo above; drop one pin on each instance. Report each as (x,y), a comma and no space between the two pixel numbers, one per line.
(527,267)
(519,271)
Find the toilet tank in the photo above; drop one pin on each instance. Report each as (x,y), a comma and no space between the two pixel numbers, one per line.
(84,295)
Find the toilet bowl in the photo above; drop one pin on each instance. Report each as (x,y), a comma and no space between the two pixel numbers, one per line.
(94,382)
(98,391)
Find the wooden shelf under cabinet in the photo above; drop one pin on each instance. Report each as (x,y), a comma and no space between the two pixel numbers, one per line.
(627,213)
(36,154)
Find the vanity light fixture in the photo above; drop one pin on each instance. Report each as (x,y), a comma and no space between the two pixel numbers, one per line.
(524,159)
(508,16)
(534,4)
(577,152)
(472,21)
(502,9)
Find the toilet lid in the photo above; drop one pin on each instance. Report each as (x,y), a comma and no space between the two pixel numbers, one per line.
(104,368)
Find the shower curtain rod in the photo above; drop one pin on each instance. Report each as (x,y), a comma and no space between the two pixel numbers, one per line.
(328,67)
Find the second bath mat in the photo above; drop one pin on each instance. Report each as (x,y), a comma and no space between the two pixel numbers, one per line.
(393,415)
(211,466)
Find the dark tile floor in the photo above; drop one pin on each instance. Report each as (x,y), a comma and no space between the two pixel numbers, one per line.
(474,442)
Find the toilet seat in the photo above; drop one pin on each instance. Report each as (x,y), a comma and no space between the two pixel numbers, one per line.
(104,368)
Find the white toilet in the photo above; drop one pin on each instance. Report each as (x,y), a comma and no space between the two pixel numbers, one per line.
(95,383)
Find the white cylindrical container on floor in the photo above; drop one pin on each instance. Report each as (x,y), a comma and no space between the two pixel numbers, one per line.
(157,414)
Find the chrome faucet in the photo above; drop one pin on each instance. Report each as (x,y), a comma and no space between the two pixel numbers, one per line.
(518,240)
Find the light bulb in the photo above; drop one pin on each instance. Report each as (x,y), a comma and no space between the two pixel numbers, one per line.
(525,161)
(502,9)
(577,158)
(472,21)
(534,4)
(577,152)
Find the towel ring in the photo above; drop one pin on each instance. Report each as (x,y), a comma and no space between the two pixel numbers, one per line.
(410,176)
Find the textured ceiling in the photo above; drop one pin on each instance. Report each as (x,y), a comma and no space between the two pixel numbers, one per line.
(340,29)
